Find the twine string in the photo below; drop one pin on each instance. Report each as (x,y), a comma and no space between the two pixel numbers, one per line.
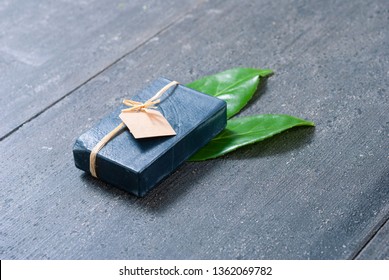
(134,106)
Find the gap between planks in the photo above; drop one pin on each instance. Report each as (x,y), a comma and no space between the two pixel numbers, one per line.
(370,238)
(161,31)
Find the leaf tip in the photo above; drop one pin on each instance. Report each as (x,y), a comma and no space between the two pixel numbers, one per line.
(266,73)
(310,123)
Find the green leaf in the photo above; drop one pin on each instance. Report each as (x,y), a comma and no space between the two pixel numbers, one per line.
(236,86)
(247,130)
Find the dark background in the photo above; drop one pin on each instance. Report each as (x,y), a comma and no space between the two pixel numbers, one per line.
(309,193)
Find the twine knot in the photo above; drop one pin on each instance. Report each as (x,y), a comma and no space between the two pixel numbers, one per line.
(134,106)
(139,106)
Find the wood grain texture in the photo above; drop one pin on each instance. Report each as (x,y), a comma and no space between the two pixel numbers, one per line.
(306,194)
(49,48)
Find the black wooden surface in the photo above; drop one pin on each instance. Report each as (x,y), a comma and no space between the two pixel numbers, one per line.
(378,247)
(318,193)
(50,48)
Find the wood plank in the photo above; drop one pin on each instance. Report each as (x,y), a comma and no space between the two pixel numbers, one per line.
(306,194)
(47,49)
(378,247)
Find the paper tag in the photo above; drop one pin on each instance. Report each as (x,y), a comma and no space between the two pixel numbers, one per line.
(147,123)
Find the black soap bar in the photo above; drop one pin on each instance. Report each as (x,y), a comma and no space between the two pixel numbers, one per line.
(137,165)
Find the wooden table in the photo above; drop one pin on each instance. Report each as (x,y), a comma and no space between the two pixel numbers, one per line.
(309,193)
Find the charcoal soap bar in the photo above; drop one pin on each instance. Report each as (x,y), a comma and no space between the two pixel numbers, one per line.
(137,165)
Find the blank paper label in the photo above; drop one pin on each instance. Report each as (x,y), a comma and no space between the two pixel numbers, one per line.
(147,123)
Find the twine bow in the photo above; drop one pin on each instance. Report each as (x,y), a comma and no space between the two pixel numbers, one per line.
(134,106)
